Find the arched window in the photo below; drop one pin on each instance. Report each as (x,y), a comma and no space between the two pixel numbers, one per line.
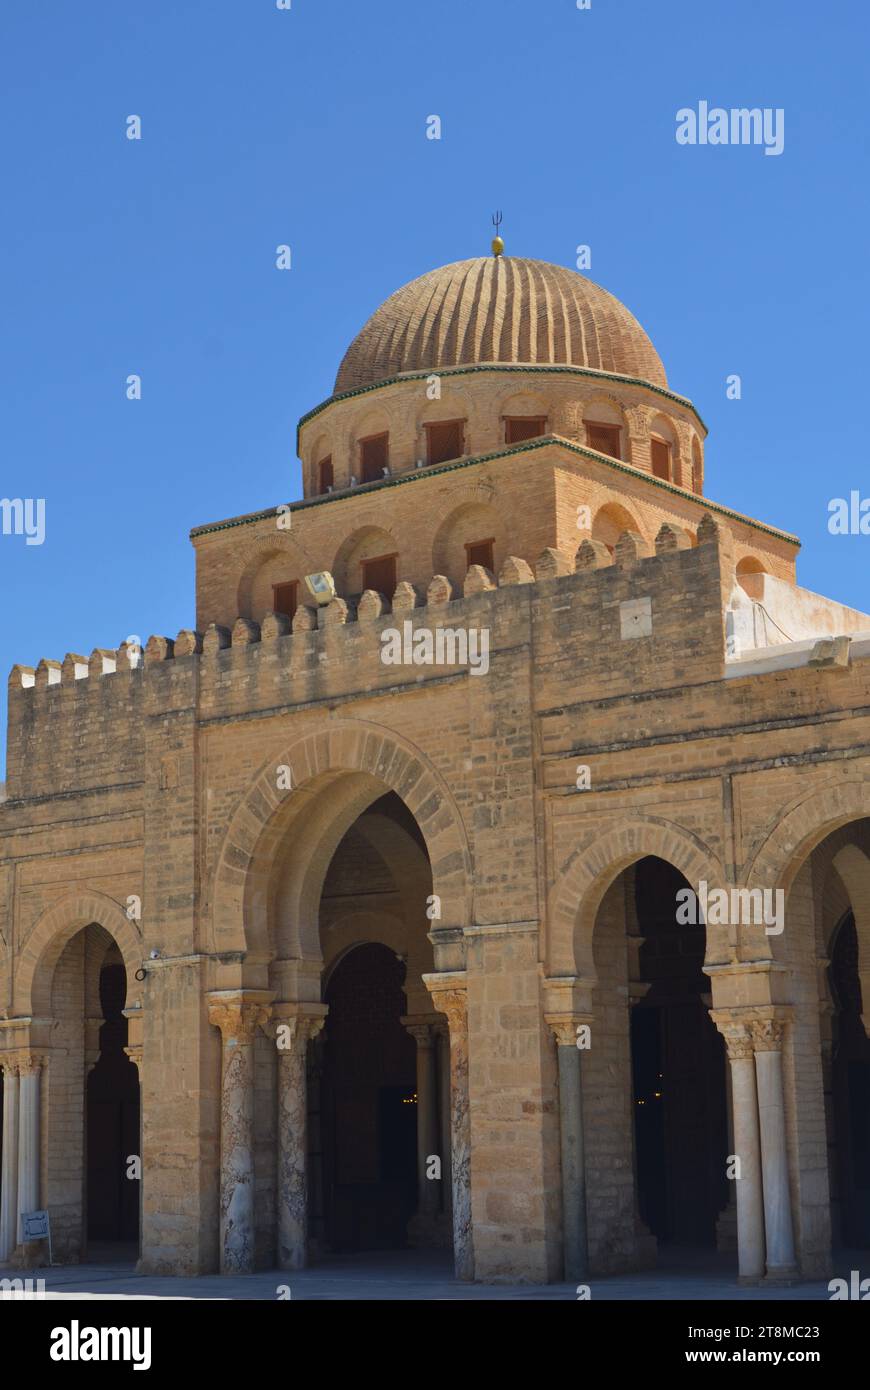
(374,457)
(697,468)
(325,476)
(520,427)
(660,453)
(605,439)
(481,553)
(445,440)
(379,573)
(285,597)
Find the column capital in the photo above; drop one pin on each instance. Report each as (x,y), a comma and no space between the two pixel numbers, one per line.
(295,1025)
(762,1029)
(30,1063)
(768,1034)
(135,1055)
(450,996)
(239,1013)
(422,1027)
(9,1063)
(737,1034)
(564,1026)
(422,1033)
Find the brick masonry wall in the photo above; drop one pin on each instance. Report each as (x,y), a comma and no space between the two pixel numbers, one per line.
(128,782)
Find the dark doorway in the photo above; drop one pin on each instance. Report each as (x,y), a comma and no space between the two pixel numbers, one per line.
(113,1122)
(678,1064)
(369,1116)
(850,1084)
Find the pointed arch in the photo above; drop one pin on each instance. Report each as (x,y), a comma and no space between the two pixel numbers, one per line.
(335,774)
(51,933)
(590,871)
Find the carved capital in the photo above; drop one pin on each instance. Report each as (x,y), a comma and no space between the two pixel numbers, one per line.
(294,1033)
(29,1064)
(454,1004)
(768,1034)
(238,1019)
(564,1027)
(738,1041)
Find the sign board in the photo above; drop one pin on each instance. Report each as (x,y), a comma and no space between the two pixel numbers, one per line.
(35,1226)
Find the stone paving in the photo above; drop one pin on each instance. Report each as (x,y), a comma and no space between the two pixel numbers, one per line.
(408,1276)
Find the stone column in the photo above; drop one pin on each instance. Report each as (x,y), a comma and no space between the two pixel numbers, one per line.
(135,1055)
(449,996)
(726,1221)
(422,1226)
(767,1035)
(442,1035)
(294,1032)
(747,1148)
(237,1014)
(9,1174)
(28,1138)
(572,1146)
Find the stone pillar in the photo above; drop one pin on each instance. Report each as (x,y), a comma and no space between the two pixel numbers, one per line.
(449,996)
(747,1148)
(442,1034)
(726,1221)
(767,1035)
(294,1032)
(28,1138)
(316,1215)
(9,1174)
(572,1146)
(423,1224)
(135,1055)
(237,1013)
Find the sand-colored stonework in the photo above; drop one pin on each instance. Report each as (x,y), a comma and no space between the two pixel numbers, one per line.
(224,821)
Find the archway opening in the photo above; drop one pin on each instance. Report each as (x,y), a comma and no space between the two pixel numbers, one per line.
(678,1067)
(112,1136)
(849,1111)
(369,1121)
(367,1155)
(91,1098)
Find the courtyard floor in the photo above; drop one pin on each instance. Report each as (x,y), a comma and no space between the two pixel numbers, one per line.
(419,1275)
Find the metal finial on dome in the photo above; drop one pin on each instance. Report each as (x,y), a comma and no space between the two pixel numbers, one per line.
(497,243)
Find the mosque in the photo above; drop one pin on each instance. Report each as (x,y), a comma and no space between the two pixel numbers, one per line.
(306,948)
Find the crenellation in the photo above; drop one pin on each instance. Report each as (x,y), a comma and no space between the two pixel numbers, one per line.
(478,580)
(159,649)
(591,555)
(48,673)
(552,564)
(103,661)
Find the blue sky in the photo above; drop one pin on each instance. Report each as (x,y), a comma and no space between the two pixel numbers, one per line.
(307,127)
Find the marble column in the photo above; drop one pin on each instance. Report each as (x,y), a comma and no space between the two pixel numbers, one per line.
(9,1174)
(573,1155)
(238,1016)
(29,1068)
(293,1036)
(747,1148)
(726,1221)
(767,1035)
(442,1042)
(452,1001)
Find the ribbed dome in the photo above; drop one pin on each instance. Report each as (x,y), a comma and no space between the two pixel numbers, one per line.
(499,310)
